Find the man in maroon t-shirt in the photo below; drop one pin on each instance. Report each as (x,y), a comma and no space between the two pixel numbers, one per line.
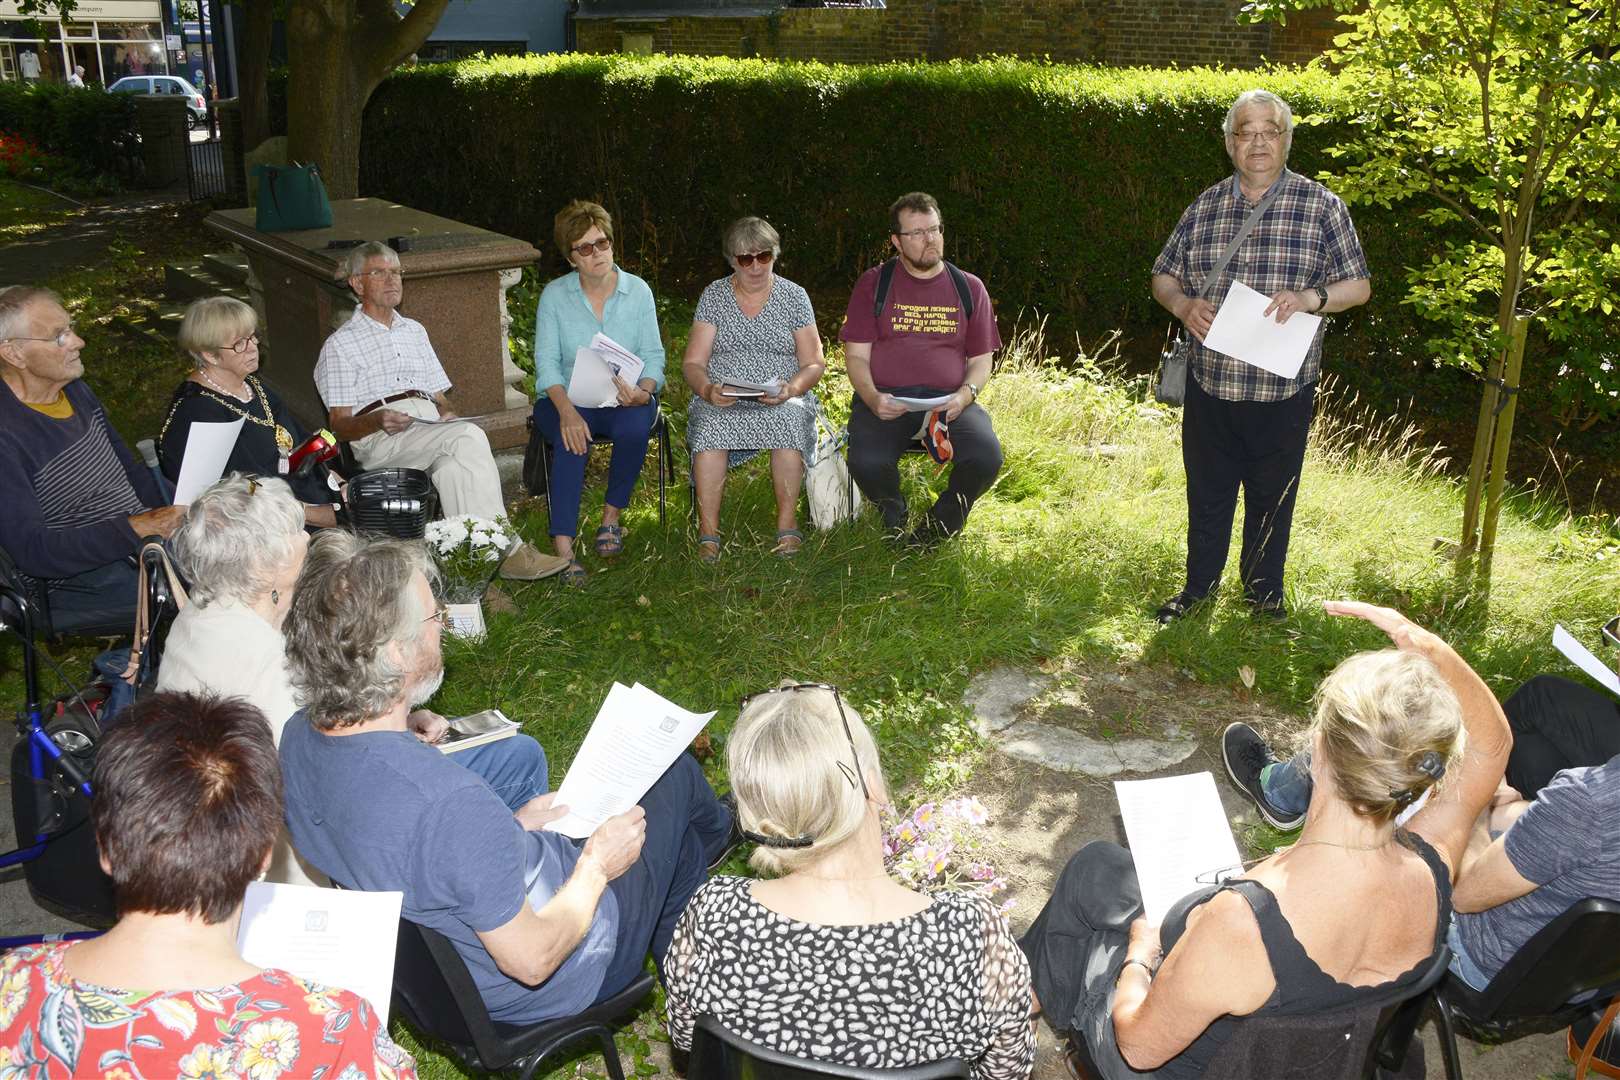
(925,343)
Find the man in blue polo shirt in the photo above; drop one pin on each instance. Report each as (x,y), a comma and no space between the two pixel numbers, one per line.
(546,926)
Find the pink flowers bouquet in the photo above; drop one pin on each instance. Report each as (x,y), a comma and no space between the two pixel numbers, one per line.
(942,846)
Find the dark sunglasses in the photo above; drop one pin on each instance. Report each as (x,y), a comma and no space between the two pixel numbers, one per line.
(591,246)
(852,774)
(764,258)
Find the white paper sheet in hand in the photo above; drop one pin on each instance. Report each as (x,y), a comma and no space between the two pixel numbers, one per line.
(635,737)
(208,448)
(591,384)
(1243,332)
(914,404)
(1179,837)
(1582,657)
(339,937)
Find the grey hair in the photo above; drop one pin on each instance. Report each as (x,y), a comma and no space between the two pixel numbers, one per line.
(212,324)
(15,301)
(235,537)
(353,600)
(784,758)
(371,249)
(1278,106)
(748,235)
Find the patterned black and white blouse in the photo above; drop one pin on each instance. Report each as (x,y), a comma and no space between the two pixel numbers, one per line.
(757,350)
(948,981)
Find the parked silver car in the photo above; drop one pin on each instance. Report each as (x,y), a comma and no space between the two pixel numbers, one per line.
(196,107)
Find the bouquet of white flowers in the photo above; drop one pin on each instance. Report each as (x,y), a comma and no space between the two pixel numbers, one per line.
(469,550)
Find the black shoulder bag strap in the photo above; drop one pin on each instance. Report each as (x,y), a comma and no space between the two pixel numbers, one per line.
(1242,234)
(959,279)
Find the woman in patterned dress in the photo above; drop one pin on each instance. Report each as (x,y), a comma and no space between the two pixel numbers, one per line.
(188,800)
(830,959)
(759,329)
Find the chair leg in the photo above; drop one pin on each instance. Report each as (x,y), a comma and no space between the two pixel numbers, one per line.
(663,514)
(1447,1035)
(545,470)
(610,1055)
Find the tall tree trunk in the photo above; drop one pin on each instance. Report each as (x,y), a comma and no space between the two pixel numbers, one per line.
(338,51)
(1514,364)
(253,68)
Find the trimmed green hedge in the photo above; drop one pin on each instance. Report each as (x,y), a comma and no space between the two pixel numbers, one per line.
(1059,183)
(90,128)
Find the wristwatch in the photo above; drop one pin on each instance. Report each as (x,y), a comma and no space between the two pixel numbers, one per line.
(1322,296)
(974,390)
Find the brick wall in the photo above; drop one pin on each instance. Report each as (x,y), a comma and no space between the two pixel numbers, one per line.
(1153,33)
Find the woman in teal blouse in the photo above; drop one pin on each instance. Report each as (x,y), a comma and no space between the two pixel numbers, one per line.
(596,298)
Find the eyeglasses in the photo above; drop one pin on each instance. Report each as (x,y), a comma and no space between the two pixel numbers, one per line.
(1258,135)
(590,247)
(441,614)
(60,340)
(241,346)
(393,273)
(852,774)
(764,258)
(922,234)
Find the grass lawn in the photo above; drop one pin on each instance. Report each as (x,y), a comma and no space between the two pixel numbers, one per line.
(1081,537)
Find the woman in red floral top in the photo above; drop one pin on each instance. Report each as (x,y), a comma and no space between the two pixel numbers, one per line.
(188,799)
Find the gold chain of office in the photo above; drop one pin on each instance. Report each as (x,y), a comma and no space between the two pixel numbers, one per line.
(284,441)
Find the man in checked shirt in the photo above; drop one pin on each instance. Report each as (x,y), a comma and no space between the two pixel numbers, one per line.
(384,391)
(1242,425)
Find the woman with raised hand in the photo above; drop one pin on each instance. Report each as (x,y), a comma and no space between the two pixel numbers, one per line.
(596,297)
(1354,911)
(188,801)
(752,358)
(828,957)
(220,335)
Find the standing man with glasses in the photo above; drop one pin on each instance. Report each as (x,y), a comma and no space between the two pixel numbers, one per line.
(920,328)
(1243,426)
(384,390)
(76,503)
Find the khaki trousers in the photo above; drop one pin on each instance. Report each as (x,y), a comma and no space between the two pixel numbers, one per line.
(455,455)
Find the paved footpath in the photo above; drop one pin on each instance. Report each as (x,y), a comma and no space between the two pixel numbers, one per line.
(74,243)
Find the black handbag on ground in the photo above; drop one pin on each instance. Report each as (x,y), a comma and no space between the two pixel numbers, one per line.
(1170,388)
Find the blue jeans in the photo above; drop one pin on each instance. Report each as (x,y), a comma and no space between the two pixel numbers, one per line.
(514,768)
(687,828)
(1287,784)
(628,426)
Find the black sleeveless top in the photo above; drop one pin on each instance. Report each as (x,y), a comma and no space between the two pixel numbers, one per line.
(1302,986)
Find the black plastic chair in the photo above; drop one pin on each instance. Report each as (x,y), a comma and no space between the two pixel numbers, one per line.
(1576,953)
(537,462)
(435,992)
(717,1054)
(1370,1040)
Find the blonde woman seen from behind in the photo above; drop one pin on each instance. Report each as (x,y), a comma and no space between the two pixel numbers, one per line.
(828,958)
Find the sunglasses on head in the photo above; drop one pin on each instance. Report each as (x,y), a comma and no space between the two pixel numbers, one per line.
(852,773)
(764,258)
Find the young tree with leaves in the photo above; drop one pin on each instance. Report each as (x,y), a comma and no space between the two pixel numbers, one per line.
(1500,116)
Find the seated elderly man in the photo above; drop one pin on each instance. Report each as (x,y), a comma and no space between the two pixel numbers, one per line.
(378,375)
(76,503)
(546,926)
(1531,858)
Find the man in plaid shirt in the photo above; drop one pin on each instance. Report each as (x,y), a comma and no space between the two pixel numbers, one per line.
(1242,425)
(384,390)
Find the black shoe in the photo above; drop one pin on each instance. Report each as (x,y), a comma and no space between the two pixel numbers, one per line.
(926,535)
(1177,606)
(1246,754)
(1267,607)
(734,837)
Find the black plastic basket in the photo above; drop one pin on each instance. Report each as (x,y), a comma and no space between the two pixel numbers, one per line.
(393,502)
